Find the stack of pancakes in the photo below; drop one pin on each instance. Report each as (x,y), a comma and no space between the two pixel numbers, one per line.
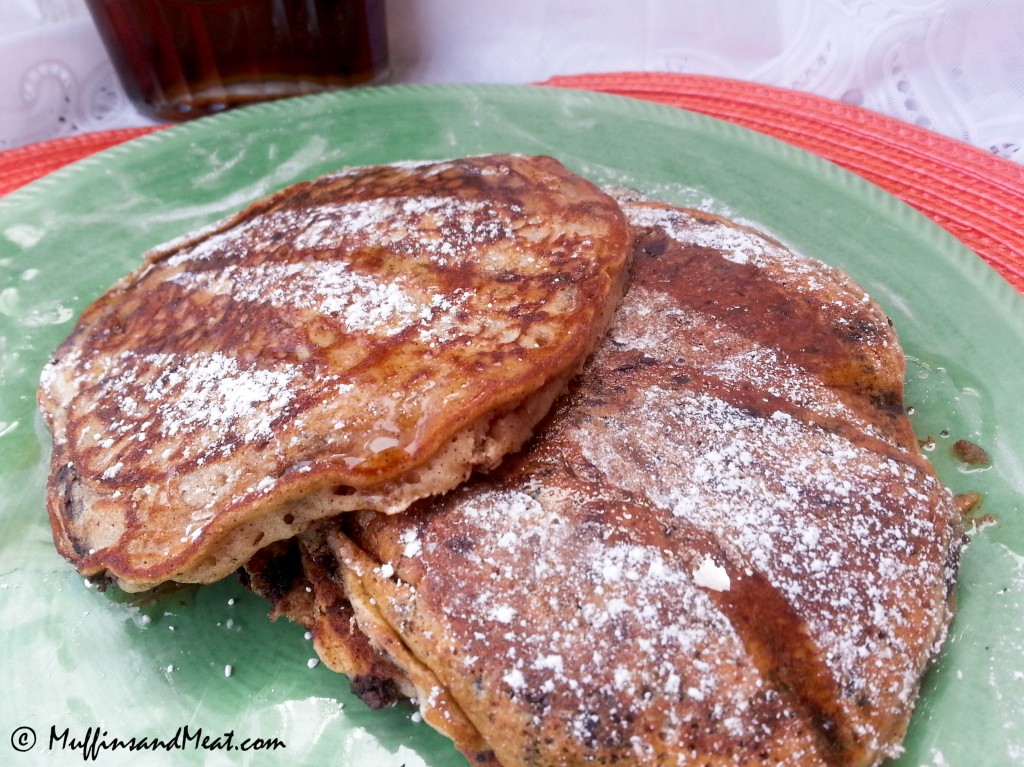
(592,479)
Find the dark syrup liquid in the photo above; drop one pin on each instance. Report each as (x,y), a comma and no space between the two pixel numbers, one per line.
(185,58)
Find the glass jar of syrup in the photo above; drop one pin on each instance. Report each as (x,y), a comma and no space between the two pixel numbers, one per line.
(179,59)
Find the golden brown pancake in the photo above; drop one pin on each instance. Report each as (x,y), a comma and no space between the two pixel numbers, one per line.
(722,547)
(354,342)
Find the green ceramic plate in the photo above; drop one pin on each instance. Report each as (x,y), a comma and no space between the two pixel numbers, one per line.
(208,659)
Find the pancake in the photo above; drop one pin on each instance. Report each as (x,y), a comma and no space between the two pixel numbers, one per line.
(354,342)
(722,547)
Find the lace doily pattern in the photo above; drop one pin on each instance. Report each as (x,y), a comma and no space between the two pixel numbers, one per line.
(55,77)
(952,66)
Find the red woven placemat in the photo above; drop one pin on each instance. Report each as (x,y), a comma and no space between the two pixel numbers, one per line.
(27,163)
(976,196)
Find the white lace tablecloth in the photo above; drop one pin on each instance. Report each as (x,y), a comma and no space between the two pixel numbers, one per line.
(954,66)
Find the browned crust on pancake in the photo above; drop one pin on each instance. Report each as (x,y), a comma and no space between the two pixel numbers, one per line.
(302,583)
(723,547)
(360,340)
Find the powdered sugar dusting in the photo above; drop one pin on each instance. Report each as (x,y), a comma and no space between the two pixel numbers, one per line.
(215,392)
(444,228)
(831,523)
(747,246)
(596,608)
(164,396)
(740,246)
(749,481)
(363,303)
(652,322)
